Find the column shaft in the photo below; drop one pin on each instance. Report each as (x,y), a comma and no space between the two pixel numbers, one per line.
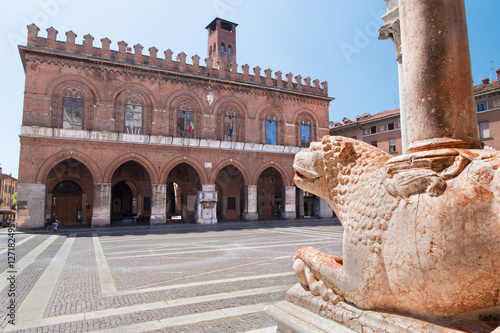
(439,98)
(251,213)
(101,215)
(158,204)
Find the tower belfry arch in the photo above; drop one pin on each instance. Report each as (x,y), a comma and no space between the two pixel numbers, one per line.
(222,41)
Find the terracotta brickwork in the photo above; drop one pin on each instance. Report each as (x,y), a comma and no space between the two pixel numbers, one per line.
(116,131)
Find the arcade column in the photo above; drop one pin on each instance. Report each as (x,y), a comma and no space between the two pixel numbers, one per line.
(158,204)
(101,216)
(251,213)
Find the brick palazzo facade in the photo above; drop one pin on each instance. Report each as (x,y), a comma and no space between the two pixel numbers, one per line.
(383,129)
(111,135)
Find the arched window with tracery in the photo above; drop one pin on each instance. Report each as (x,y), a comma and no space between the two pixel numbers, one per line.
(223,47)
(210,50)
(230,49)
(73,108)
(271,129)
(305,132)
(185,119)
(133,114)
(230,124)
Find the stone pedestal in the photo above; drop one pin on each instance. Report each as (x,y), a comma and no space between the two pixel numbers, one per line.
(251,213)
(31,206)
(302,312)
(158,204)
(206,206)
(102,205)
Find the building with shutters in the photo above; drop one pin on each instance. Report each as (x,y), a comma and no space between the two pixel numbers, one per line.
(110,136)
(8,189)
(383,129)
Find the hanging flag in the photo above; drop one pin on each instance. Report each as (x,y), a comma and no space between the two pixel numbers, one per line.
(230,134)
(191,125)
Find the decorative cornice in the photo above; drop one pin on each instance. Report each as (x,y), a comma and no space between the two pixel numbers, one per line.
(99,61)
(156,74)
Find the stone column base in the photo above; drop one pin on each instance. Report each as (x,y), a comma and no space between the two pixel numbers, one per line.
(207,221)
(99,223)
(157,220)
(251,216)
(294,319)
(290,215)
(303,312)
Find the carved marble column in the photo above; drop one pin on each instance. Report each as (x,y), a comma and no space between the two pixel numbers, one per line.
(437,74)
(158,204)
(392,30)
(101,216)
(251,213)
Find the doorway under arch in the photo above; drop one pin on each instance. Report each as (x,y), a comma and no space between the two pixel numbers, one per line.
(67,202)
(183,184)
(69,193)
(123,201)
(230,193)
(130,194)
(270,194)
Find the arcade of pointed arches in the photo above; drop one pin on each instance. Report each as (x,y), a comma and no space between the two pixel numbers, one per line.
(71,179)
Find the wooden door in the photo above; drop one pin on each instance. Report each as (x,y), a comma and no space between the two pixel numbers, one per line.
(66,208)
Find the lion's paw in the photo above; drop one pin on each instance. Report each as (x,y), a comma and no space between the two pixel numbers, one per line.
(309,282)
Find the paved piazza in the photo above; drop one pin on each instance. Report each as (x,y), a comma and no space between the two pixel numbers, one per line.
(175,278)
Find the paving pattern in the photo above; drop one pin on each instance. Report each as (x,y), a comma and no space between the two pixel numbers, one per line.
(174,278)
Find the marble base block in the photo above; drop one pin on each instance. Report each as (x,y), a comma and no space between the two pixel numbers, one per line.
(305,313)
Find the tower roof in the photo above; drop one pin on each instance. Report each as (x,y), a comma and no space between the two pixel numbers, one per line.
(218,18)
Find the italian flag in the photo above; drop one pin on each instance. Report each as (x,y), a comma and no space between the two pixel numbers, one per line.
(191,125)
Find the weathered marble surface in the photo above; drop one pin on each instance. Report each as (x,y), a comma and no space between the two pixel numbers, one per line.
(304,312)
(422,232)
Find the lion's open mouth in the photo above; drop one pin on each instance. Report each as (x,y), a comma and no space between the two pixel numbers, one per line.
(304,174)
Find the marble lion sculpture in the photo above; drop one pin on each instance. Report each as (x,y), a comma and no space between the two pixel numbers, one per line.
(421,234)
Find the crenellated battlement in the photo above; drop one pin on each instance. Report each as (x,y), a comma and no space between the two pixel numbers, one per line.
(135,55)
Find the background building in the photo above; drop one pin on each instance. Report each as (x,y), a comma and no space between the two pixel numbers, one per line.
(8,189)
(111,135)
(383,130)
(487,96)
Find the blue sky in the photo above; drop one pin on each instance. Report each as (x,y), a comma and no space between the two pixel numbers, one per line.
(309,38)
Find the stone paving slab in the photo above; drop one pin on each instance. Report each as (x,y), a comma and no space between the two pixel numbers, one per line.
(191,278)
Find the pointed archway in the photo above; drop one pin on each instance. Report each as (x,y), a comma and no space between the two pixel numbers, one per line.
(270,194)
(130,194)
(69,193)
(230,188)
(183,183)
